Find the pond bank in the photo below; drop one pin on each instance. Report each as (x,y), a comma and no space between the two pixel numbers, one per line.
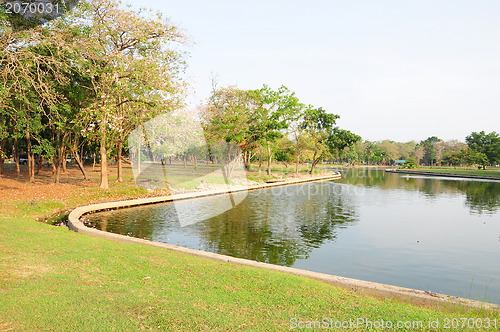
(412,296)
(442,174)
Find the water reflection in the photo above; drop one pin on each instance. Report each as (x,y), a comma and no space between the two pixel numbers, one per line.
(481,197)
(281,225)
(411,231)
(276,226)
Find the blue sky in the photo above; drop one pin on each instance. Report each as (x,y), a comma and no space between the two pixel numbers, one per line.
(400,70)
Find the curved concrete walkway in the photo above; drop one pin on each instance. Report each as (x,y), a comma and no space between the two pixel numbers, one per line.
(413,296)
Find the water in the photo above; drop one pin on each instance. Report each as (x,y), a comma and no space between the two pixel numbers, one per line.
(434,234)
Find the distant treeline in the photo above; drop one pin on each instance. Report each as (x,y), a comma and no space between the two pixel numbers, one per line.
(79,85)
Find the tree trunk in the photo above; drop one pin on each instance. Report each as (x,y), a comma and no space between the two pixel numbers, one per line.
(312,167)
(31,166)
(57,174)
(128,162)
(246,160)
(39,165)
(269,159)
(104,163)
(3,154)
(297,165)
(59,159)
(138,158)
(119,161)
(31,159)
(15,154)
(79,162)
(64,162)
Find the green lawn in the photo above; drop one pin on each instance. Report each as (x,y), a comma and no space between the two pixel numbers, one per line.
(57,280)
(492,172)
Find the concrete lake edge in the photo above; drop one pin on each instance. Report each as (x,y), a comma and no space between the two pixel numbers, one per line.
(378,290)
(447,175)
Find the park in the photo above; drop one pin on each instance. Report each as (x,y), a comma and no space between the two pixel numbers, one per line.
(251,210)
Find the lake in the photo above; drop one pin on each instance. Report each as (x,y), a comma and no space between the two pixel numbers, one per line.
(428,233)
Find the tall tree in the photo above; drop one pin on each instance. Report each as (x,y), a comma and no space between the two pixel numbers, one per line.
(318,126)
(133,69)
(430,150)
(276,110)
(232,116)
(340,139)
(488,144)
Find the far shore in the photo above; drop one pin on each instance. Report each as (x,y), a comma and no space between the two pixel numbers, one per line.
(449,173)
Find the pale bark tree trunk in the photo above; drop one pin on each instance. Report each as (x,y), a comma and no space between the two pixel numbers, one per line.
(314,162)
(269,159)
(79,162)
(104,160)
(104,167)
(78,157)
(31,166)
(119,162)
(31,159)
(59,162)
(138,157)
(64,162)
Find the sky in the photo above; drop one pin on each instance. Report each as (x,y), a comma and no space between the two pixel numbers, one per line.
(398,70)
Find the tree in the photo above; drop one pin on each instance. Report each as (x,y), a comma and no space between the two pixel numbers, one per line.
(133,71)
(30,70)
(250,118)
(318,126)
(391,151)
(340,139)
(488,144)
(276,110)
(430,156)
(419,154)
(285,152)
(231,116)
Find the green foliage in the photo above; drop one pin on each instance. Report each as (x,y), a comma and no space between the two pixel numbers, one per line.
(285,151)
(431,155)
(487,144)
(91,76)
(340,139)
(410,163)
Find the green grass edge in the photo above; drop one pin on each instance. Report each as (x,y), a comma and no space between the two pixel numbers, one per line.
(54,279)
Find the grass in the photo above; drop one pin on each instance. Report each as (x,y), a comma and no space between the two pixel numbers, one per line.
(54,279)
(493,172)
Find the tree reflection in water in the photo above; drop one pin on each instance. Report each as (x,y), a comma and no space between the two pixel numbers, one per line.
(281,225)
(481,197)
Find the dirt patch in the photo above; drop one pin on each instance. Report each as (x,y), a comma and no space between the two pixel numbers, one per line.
(13,188)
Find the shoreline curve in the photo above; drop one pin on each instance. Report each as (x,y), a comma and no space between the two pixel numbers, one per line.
(447,175)
(361,287)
